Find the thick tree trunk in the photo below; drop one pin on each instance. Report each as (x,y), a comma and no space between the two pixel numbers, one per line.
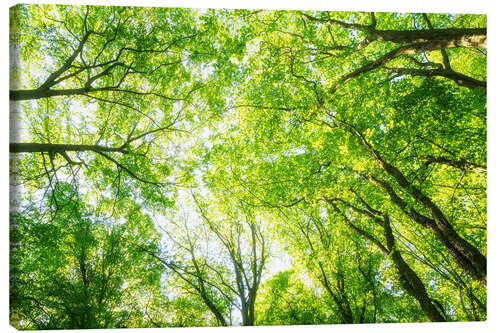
(460,164)
(19,95)
(411,281)
(449,38)
(250,309)
(17,148)
(251,315)
(400,51)
(245,314)
(414,286)
(417,42)
(28,94)
(460,37)
(467,256)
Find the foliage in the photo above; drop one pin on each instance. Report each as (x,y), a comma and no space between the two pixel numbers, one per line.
(77,270)
(169,157)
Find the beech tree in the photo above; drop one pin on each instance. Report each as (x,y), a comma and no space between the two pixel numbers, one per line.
(228,278)
(184,167)
(111,92)
(77,271)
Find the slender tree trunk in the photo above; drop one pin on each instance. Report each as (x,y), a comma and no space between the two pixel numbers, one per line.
(459,78)
(211,306)
(199,287)
(345,312)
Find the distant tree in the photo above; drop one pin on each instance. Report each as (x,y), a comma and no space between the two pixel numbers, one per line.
(76,270)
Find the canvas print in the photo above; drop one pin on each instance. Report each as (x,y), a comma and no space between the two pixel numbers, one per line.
(174,167)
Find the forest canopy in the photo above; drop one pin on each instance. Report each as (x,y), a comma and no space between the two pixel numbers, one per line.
(174,167)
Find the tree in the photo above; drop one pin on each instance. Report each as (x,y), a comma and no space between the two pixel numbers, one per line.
(286,300)
(173,155)
(125,93)
(410,280)
(225,274)
(76,271)
(420,137)
(333,112)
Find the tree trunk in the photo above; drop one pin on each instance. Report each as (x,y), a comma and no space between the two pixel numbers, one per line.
(449,38)
(411,281)
(28,94)
(459,78)
(251,307)
(460,37)
(460,249)
(345,312)
(17,148)
(251,316)
(244,313)
(468,257)
(422,45)
(211,306)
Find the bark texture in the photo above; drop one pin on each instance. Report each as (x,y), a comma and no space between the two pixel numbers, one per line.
(57,148)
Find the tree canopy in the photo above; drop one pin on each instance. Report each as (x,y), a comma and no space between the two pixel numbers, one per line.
(178,167)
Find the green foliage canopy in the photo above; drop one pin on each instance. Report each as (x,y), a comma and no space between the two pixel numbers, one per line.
(167,157)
